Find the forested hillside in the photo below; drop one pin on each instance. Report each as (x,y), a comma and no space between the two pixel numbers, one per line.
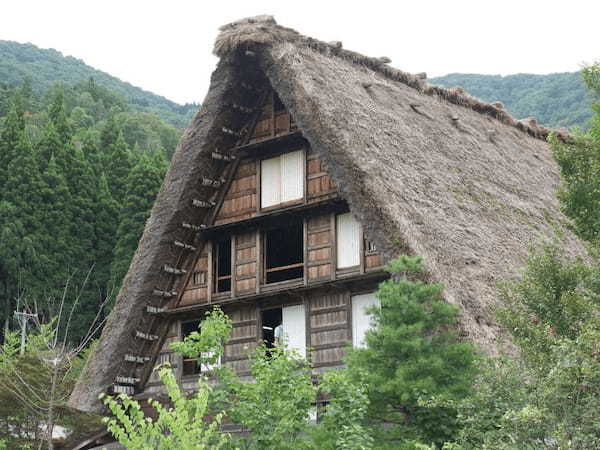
(556,100)
(79,171)
(44,67)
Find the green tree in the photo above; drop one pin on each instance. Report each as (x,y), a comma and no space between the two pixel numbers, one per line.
(414,365)
(117,167)
(12,133)
(579,162)
(550,397)
(142,185)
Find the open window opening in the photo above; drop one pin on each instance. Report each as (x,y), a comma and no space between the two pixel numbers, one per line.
(222,269)
(190,365)
(272,320)
(284,253)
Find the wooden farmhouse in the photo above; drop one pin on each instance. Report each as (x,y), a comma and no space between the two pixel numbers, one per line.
(306,169)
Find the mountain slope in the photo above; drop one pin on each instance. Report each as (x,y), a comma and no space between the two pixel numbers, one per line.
(557,100)
(44,67)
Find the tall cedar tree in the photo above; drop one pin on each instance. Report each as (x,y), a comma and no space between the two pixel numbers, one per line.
(105,231)
(414,364)
(141,188)
(12,132)
(55,239)
(23,191)
(118,165)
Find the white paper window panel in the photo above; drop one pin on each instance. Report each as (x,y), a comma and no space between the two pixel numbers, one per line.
(294,328)
(292,176)
(270,182)
(348,241)
(282,179)
(361,321)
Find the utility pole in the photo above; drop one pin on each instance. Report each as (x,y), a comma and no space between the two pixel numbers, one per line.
(22,317)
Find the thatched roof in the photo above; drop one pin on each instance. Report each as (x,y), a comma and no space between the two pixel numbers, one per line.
(427,170)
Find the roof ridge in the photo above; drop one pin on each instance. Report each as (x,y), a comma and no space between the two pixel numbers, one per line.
(264,30)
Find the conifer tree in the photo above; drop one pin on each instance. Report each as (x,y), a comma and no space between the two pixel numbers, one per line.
(14,127)
(55,240)
(117,168)
(58,117)
(141,188)
(49,146)
(105,230)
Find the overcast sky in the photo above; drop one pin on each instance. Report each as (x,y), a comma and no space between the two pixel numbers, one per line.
(166,46)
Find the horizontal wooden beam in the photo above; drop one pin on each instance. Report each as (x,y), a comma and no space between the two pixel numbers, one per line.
(137,359)
(155,309)
(184,246)
(202,203)
(189,226)
(146,336)
(127,380)
(164,294)
(174,270)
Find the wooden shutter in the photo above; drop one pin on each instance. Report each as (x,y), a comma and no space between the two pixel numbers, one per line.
(292,176)
(361,321)
(294,328)
(348,241)
(270,182)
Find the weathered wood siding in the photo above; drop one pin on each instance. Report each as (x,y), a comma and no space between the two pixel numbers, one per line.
(329,326)
(319,247)
(318,182)
(244,338)
(246,263)
(240,202)
(196,291)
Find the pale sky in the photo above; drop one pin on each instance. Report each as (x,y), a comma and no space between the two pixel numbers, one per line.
(166,46)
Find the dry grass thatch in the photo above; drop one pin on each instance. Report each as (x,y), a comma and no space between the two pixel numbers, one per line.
(428,170)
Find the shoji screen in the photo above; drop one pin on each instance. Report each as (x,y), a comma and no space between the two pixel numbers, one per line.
(282,179)
(294,327)
(361,321)
(348,241)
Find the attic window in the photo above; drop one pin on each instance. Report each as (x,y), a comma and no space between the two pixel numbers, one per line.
(361,320)
(190,365)
(284,253)
(222,265)
(282,179)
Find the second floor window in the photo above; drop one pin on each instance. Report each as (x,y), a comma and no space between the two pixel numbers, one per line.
(282,179)
(284,253)
(222,265)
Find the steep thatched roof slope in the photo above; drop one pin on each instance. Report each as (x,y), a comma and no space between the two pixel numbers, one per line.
(426,170)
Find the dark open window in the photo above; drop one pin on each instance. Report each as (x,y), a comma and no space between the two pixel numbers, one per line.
(190,365)
(284,253)
(222,267)
(271,319)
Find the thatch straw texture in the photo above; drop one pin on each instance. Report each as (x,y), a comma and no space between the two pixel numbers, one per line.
(430,171)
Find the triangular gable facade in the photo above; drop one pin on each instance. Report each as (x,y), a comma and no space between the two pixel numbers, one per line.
(425,170)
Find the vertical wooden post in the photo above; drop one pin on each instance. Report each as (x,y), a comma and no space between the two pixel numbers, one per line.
(259,257)
(210,282)
(361,250)
(333,238)
(305,248)
(233,266)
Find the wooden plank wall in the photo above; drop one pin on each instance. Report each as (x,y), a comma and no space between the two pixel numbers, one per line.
(196,291)
(246,264)
(330,326)
(240,202)
(244,338)
(165,355)
(319,184)
(319,251)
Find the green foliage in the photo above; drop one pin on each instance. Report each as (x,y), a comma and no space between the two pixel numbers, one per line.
(344,418)
(558,99)
(414,365)
(182,426)
(208,343)
(139,191)
(42,68)
(275,407)
(64,189)
(550,397)
(579,162)
(26,387)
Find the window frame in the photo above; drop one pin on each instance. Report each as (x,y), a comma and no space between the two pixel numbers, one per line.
(282,204)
